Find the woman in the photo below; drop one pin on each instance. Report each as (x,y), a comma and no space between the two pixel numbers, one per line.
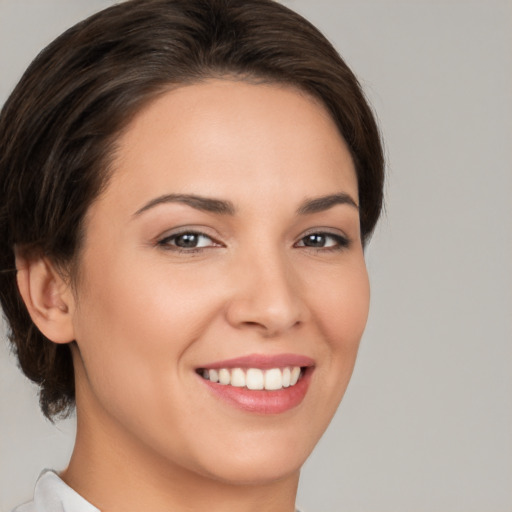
(187,188)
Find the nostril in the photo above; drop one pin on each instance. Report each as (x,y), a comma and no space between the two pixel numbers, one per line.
(253,324)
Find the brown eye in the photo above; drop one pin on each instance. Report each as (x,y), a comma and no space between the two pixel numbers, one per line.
(323,241)
(315,240)
(187,240)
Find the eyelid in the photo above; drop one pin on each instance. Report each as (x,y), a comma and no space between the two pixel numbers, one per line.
(325,231)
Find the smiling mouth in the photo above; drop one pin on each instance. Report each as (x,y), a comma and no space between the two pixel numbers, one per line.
(270,379)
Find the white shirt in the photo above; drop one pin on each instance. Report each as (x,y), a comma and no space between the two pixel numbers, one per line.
(53,495)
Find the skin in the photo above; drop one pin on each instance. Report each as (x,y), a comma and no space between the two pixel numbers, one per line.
(145,315)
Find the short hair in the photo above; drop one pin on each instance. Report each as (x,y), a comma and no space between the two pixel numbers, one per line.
(59,127)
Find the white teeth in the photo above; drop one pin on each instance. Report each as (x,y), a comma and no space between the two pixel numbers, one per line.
(286,377)
(294,377)
(224,376)
(254,378)
(238,378)
(273,379)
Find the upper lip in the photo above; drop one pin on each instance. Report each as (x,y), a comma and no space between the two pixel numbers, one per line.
(263,361)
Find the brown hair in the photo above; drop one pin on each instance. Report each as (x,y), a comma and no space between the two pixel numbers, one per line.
(59,126)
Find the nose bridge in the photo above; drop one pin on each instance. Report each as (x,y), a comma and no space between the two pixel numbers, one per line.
(266,294)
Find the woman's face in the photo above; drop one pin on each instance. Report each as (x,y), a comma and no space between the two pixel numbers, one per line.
(226,246)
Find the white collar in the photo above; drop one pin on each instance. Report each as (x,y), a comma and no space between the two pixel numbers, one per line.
(53,495)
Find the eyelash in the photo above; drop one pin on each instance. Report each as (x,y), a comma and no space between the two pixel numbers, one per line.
(340,242)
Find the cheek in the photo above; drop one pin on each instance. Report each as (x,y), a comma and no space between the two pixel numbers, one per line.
(342,306)
(342,303)
(133,330)
(140,319)
(134,323)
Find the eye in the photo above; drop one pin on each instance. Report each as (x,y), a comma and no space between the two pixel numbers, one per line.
(321,240)
(187,241)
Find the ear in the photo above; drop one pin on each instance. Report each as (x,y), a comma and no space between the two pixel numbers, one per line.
(48,298)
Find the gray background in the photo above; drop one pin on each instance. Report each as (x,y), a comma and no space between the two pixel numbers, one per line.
(426,424)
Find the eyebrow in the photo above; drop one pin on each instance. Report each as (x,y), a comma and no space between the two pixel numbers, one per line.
(320,204)
(221,207)
(198,202)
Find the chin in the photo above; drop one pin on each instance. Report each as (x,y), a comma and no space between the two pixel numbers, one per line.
(259,459)
(257,472)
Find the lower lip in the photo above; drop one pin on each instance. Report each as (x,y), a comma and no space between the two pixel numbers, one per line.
(263,401)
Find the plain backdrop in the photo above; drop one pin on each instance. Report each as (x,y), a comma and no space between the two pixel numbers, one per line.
(426,424)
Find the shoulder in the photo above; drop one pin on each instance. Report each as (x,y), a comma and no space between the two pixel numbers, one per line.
(51,494)
(27,507)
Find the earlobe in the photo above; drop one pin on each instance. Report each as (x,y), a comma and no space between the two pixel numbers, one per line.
(48,298)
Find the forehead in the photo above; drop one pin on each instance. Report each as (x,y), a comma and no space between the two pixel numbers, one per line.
(232,137)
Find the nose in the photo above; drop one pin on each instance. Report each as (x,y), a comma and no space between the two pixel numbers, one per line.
(266,297)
